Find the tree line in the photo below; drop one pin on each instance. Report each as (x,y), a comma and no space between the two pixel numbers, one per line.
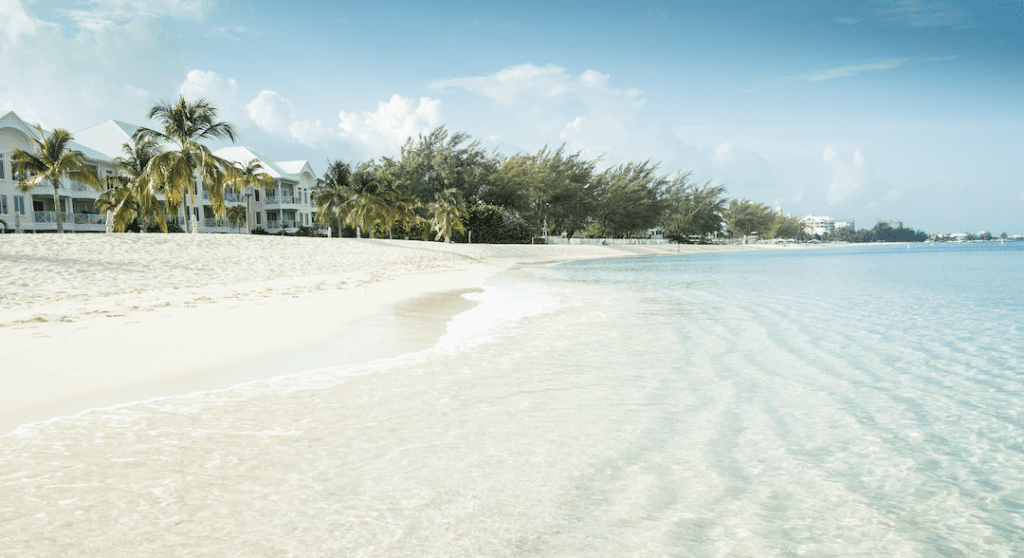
(447,186)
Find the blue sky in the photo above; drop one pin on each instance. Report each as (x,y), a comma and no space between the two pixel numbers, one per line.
(860,109)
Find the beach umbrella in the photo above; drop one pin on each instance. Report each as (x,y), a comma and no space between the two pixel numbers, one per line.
(110,221)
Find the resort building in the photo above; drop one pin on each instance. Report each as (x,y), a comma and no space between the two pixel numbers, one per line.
(845,224)
(284,205)
(820,226)
(34,210)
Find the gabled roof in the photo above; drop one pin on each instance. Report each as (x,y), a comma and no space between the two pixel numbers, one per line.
(296,168)
(240,154)
(108,137)
(12,120)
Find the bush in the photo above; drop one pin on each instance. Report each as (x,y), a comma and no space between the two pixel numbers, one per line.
(260,230)
(490,225)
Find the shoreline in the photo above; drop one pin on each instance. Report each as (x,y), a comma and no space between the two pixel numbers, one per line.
(86,332)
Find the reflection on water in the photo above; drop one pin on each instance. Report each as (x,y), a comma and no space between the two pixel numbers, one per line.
(694,406)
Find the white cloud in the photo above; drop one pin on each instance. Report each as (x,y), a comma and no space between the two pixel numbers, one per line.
(222,93)
(386,129)
(549,98)
(847,71)
(78,78)
(930,14)
(272,112)
(104,14)
(852,178)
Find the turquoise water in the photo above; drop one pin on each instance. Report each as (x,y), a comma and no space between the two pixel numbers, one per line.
(851,401)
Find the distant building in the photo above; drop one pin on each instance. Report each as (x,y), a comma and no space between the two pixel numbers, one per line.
(845,224)
(283,205)
(820,226)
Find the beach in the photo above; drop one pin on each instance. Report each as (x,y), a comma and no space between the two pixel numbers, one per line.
(99,320)
(391,398)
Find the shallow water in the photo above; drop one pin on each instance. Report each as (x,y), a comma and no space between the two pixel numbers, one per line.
(860,401)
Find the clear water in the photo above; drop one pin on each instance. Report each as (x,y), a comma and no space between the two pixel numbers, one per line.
(860,401)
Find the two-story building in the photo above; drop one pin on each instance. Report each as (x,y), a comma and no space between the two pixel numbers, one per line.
(284,205)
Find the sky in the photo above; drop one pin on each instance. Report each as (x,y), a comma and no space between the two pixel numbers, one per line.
(862,109)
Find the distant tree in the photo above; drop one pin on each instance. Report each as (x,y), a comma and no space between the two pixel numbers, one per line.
(490,224)
(440,161)
(50,160)
(447,214)
(330,192)
(782,226)
(693,210)
(743,217)
(628,200)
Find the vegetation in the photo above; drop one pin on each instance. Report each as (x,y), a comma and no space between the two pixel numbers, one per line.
(185,125)
(51,160)
(135,194)
(244,178)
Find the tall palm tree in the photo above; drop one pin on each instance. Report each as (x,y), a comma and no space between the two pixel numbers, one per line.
(447,214)
(52,159)
(185,125)
(135,196)
(244,178)
(367,203)
(331,191)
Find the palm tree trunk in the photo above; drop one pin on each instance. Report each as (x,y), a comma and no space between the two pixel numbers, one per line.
(248,212)
(56,208)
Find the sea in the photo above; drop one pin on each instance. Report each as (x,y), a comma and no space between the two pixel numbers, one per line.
(862,400)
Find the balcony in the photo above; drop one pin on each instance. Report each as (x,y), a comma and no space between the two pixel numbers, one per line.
(282,224)
(51,217)
(213,222)
(89,219)
(283,200)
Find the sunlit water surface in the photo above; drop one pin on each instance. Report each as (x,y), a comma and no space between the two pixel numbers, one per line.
(857,401)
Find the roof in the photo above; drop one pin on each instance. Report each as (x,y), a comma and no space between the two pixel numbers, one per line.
(11,120)
(240,154)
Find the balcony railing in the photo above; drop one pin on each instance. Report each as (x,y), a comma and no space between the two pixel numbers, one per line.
(213,222)
(277,200)
(51,217)
(283,224)
(89,219)
(229,197)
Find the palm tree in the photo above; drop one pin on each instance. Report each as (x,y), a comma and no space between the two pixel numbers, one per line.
(135,196)
(447,213)
(366,203)
(52,159)
(237,216)
(331,191)
(244,178)
(185,125)
(401,208)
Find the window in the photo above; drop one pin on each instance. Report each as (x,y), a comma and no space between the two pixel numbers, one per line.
(257,193)
(2,175)
(258,213)
(3,203)
(19,204)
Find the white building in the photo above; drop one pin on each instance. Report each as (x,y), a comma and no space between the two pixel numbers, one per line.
(821,226)
(34,210)
(284,206)
(845,224)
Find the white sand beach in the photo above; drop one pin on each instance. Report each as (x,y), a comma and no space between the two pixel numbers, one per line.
(97,320)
